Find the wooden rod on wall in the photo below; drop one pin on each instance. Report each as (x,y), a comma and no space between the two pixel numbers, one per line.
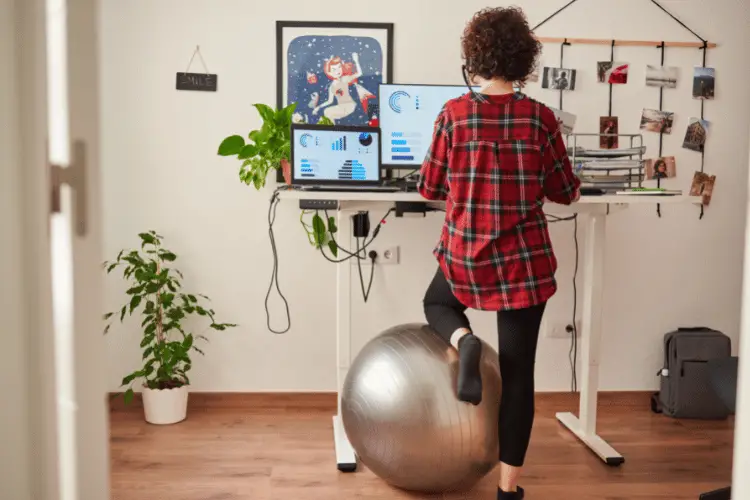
(622,43)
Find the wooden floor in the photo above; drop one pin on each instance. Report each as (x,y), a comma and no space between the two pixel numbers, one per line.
(256,447)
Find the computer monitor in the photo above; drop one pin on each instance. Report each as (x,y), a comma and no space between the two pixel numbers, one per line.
(335,155)
(407,120)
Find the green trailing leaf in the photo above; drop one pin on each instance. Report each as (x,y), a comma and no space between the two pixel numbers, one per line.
(134,302)
(128,397)
(111,267)
(168,256)
(147,340)
(148,352)
(332,225)
(122,312)
(319,230)
(108,315)
(248,151)
(135,290)
(333,247)
(232,145)
(127,380)
(266,112)
(187,343)
(147,238)
(166,299)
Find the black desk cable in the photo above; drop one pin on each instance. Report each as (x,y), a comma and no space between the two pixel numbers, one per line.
(275,274)
(372,255)
(573,353)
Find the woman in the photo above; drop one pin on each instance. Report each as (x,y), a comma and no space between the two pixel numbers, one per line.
(495,157)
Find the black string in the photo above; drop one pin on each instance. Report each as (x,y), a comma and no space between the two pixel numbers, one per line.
(553,15)
(703,148)
(680,22)
(562,54)
(661,132)
(612,60)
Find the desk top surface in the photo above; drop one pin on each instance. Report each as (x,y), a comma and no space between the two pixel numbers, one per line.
(354,196)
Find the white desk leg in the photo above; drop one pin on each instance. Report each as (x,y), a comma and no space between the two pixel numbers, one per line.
(584,426)
(346,460)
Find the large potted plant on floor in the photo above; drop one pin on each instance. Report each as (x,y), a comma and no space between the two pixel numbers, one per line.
(167,336)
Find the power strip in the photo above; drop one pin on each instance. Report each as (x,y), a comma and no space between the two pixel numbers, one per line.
(318,204)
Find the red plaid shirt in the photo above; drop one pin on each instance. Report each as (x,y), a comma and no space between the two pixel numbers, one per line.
(494,163)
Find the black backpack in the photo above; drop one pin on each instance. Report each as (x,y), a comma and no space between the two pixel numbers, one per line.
(685,389)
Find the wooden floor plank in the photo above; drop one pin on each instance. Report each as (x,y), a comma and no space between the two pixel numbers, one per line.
(251,447)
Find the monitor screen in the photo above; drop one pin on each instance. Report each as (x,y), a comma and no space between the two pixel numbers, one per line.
(407,120)
(334,155)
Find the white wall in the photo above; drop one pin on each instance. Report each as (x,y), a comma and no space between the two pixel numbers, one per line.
(161,171)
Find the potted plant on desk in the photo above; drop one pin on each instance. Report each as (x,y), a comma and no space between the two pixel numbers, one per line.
(167,342)
(270,149)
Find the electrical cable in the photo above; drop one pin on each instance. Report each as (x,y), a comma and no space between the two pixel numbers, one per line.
(574,340)
(275,273)
(373,256)
(351,255)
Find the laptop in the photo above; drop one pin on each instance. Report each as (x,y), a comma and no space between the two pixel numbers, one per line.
(337,158)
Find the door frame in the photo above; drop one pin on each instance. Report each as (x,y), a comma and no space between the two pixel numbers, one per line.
(44,474)
(36,442)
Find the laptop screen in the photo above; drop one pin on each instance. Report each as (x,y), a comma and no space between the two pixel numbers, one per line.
(335,155)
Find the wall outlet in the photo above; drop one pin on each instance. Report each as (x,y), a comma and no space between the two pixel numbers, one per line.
(559,330)
(386,256)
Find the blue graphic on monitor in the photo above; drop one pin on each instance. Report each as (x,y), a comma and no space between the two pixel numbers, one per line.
(339,144)
(395,100)
(365,139)
(407,119)
(304,140)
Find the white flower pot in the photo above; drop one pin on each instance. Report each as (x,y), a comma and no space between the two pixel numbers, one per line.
(165,406)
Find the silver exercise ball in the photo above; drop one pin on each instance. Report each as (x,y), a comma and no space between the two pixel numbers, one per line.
(403,418)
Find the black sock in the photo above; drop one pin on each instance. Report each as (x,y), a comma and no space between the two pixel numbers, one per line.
(469,376)
(515,495)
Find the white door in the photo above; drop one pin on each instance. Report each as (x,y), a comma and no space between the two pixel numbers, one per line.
(56,71)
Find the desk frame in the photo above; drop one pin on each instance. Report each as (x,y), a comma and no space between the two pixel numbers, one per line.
(597,208)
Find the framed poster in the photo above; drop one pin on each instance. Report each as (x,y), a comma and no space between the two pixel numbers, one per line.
(333,69)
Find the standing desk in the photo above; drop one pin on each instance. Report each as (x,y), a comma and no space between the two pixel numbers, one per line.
(595,207)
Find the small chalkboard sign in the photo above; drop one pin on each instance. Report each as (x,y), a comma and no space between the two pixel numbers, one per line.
(197,81)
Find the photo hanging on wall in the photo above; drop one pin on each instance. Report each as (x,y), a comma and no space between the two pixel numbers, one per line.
(333,69)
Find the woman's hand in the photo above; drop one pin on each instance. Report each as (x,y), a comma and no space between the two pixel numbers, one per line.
(355,57)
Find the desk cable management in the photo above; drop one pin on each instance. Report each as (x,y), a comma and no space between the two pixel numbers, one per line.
(361,231)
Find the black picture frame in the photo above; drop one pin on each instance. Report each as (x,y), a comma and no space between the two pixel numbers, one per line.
(324,28)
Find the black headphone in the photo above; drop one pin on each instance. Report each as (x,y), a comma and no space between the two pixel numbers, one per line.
(465,74)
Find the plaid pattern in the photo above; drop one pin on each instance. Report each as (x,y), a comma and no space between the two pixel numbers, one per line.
(494,163)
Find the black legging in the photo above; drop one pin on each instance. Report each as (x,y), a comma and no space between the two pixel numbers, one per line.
(518,333)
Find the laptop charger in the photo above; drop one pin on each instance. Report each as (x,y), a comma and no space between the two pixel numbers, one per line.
(361,224)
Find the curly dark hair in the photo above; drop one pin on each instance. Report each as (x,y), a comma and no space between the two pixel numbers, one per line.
(498,43)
